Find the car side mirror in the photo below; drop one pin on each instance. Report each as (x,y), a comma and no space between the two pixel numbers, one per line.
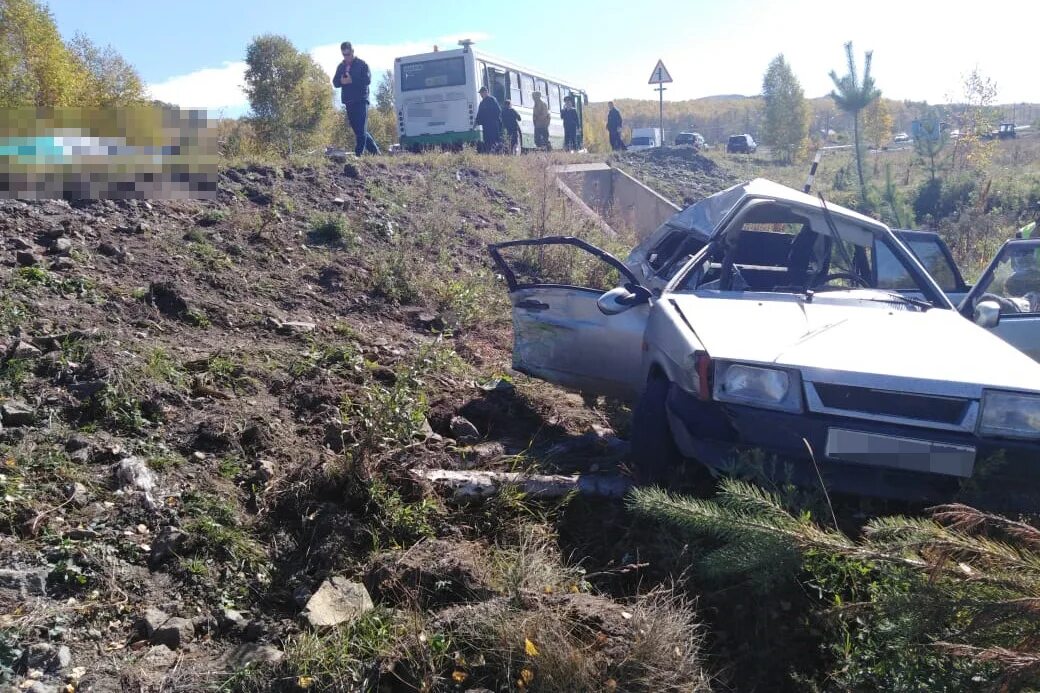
(622,298)
(986,314)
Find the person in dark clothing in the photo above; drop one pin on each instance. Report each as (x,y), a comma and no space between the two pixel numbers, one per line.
(352,78)
(614,123)
(511,123)
(569,115)
(489,117)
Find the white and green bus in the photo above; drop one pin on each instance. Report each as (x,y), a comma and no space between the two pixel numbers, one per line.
(436,97)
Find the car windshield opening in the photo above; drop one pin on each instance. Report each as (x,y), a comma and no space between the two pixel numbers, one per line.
(782,250)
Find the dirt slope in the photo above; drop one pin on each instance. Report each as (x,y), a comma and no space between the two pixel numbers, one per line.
(211,408)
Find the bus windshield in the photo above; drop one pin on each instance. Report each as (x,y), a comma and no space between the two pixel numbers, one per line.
(446,72)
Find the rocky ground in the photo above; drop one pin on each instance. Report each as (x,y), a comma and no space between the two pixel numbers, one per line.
(212,413)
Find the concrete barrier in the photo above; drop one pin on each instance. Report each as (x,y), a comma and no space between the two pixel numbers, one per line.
(616,197)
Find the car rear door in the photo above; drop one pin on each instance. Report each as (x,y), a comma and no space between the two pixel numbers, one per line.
(560,334)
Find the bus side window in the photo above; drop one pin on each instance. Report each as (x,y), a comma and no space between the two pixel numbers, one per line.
(516,93)
(554,98)
(544,88)
(527,82)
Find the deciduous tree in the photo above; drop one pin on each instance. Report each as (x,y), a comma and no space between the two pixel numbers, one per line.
(289,94)
(877,123)
(786,123)
(978,120)
(110,80)
(385,94)
(36,67)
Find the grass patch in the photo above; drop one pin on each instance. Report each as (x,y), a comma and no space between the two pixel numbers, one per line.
(34,479)
(342,659)
(580,643)
(399,522)
(217,532)
(329,229)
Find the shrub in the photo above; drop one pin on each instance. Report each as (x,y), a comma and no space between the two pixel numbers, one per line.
(329,229)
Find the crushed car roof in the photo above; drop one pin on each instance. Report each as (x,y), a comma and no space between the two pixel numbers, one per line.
(702,218)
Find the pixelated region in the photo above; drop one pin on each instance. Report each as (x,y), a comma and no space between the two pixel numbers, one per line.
(132,152)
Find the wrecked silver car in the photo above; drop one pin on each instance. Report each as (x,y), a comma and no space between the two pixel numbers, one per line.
(775,320)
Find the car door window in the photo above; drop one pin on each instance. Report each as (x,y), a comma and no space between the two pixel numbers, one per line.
(935,262)
(891,273)
(1014,282)
(562,262)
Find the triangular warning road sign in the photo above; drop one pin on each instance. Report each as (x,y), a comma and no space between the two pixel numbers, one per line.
(660,74)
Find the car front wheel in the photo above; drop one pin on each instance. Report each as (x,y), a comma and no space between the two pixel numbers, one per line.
(654,453)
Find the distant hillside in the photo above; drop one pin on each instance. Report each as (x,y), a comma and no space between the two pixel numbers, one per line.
(718,116)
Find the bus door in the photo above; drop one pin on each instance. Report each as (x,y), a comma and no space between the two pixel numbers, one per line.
(499,84)
(579,104)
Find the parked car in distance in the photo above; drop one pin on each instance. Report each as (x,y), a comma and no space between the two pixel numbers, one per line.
(690,138)
(901,137)
(741,144)
(645,138)
(780,333)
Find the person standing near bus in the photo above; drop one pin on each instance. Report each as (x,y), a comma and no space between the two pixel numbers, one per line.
(489,117)
(352,78)
(541,119)
(614,123)
(569,115)
(511,123)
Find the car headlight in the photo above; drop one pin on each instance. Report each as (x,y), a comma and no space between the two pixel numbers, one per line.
(1010,415)
(757,386)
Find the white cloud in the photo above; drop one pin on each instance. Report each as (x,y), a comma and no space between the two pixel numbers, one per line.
(222,88)
(212,88)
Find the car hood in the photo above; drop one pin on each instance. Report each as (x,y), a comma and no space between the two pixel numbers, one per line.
(846,340)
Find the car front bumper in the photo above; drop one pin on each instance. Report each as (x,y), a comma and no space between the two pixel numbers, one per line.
(859,456)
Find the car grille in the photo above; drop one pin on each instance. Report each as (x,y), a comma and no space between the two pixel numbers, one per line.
(902,405)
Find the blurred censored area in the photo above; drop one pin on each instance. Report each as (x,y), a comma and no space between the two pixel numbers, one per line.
(132,152)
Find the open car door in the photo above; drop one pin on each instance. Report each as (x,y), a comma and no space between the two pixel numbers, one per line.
(1006,299)
(578,314)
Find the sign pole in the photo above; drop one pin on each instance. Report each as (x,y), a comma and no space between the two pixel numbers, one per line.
(660,120)
(659,77)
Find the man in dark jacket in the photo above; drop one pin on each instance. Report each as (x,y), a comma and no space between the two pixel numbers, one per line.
(352,78)
(511,123)
(489,117)
(569,115)
(614,127)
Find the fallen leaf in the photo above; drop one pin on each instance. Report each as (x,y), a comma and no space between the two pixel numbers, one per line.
(526,677)
(304,682)
(459,676)
(529,648)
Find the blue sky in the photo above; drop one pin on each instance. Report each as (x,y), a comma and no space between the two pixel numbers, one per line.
(190,52)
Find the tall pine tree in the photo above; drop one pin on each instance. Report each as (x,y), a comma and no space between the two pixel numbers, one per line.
(852,94)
